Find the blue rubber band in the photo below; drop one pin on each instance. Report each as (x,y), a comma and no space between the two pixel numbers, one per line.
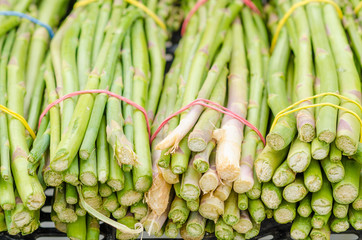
(34,20)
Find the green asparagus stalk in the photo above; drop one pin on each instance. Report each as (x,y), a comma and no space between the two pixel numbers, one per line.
(209,180)
(305,209)
(223,231)
(111,203)
(301,227)
(195,225)
(286,212)
(243,201)
(255,191)
(346,191)
(88,170)
(295,191)
(320,149)
(322,200)
(104,190)
(13,21)
(231,212)
(340,210)
(119,212)
(357,204)
(90,191)
(201,159)
(335,154)
(323,233)
(130,222)
(318,221)
(71,194)
(211,207)
(78,229)
(184,234)
(193,205)
(190,189)
(128,195)
(271,195)
(102,153)
(333,170)
(244,224)
(355,218)
(79,210)
(223,191)
(257,210)
(7,200)
(283,175)
(140,210)
(171,229)
(116,177)
(299,155)
(339,225)
(93,230)
(178,212)
(313,176)
(253,232)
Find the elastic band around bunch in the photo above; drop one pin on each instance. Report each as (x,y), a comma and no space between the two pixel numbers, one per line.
(290,12)
(20,118)
(199,3)
(83,3)
(358,8)
(290,109)
(217,107)
(30,18)
(96,91)
(138,226)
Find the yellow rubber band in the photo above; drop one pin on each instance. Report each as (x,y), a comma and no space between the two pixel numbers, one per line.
(290,12)
(358,7)
(20,118)
(148,12)
(288,110)
(83,3)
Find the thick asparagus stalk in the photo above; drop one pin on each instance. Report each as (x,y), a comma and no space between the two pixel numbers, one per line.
(346,191)
(71,195)
(88,170)
(284,175)
(171,229)
(140,210)
(253,232)
(130,222)
(128,195)
(271,195)
(301,227)
(357,204)
(119,212)
(286,212)
(318,221)
(116,178)
(355,218)
(257,210)
(223,231)
(178,212)
(340,210)
(295,191)
(190,189)
(223,191)
(111,203)
(78,229)
(195,225)
(333,170)
(92,228)
(335,154)
(323,233)
(102,153)
(320,149)
(322,200)
(211,207)
(201,159)
(313,176)
(339,225)
(193,205)
(231,212)
(299,155)
(244,224)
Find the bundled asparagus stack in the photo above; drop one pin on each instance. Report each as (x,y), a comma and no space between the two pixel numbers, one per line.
(310,170)
(23,50)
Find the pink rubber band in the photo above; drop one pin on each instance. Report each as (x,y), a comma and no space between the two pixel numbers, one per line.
(97,91)
(216,107)
(199,3)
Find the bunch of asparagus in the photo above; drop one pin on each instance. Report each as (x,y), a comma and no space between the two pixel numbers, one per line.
(24,50)
(197,172)
(309,172)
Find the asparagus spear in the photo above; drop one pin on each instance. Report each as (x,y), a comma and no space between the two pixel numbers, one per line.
(116,178)
(253,232)
(313,177)
(257,210)
(323,233)
(340,210)
(102,153)
(195,225)
(78,229)
(305,208)
(209,180)
(320,149)
(357,204)
(193,205)
(283,175)
(318,221)
(231,211)
(223,191)
(128,195)
(201,159)
(335,154)
(119,212)
(130,222)
(88,170)
(243,201)
(71,195)
(211,207)
(339,225)
(271,195)
(140,210)
(223,231)
(178,212)
(322,200)
(301,227)
(355,218)
(244,224)
(295,191)
(190,189)
(333,170)
(286,212)
(111,203)
(92,228)
(171,229)
(299,155)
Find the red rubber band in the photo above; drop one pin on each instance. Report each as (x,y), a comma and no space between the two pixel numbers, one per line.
(97,91)
(216,107)
(199,3)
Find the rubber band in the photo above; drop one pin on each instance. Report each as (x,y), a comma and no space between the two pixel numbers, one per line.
(199,3)
(83,3)
(20,118)
(148,12)
(290,12)
(288,110)
(30,18)
(358,7)
(96,91)
(138,226)
(217,107)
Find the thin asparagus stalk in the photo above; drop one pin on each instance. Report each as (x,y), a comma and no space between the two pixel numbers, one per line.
(322,200)
(201,159)
(78,229)
(313,176)
(295,191)
(86,38)
(355,218)
(7,200)
(193,205)
(104,190)
(347,139)
(305,208)
(271,195)
(12,22)
(333,170)
(209,180)
(90,191)
(243,201)
(180,158)
(339,225)
(116,177)
(257,210)
(111,203)
(327,116)
(140,210)
(286,212)
(335,154)
(128,195)
(190,189)
(29,187)
(223,191)
(346,191)
(171,229)
(320,149)
(71,175)
(119,212)
(283,175)
(178,212)
(223,231)
(102,153)
(301,227)
(244,224)
(267,162)
(231,212)
(71,195)
(255,191)
(211,207)
(340,210)
(299,155)
(93,230)
(88,170)
(323,233)
(318,221)
(79,210)
(195,225)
